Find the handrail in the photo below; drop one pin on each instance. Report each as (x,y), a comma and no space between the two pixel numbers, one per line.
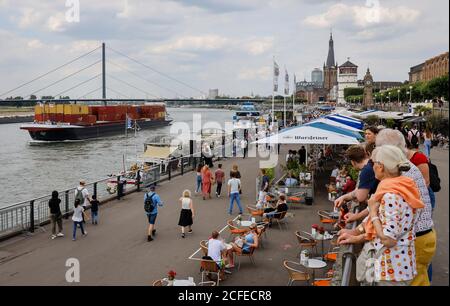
(349,257)
(26,215)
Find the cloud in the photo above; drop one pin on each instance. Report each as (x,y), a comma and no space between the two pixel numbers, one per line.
(193,43)
(259,46)
(261,74)
(363,17)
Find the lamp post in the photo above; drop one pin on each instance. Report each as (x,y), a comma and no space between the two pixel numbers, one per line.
(410,93)
(398,99)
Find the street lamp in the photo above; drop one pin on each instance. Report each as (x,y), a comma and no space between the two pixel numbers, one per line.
(398,92)
(410,93)
(389,97)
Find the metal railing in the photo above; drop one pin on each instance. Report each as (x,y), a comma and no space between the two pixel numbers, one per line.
(28,215)
(349,259)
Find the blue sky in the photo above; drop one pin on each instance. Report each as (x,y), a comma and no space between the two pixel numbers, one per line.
(225,44)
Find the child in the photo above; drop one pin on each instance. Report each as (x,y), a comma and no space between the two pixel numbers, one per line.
(78,213)
(94,209)
(219,178)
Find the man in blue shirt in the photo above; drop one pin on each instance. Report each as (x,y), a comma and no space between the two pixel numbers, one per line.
(291,181)
(153,212)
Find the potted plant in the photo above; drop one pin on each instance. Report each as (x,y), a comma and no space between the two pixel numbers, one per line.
(171,277)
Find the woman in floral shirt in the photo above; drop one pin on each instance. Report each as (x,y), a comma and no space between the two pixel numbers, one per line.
(392,217)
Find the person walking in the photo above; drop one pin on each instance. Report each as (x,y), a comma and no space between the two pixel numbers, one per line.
(302,155)
(428,138)
(82,194)
(244,147)
(414,137)
(55,215)
(187,213)
(94,209)
(198,178)
(206,182)
(151,203)
(234,185)
(219,177)
(235,169)
(78,216)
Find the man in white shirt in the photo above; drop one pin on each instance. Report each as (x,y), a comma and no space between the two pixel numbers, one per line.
(244,147)
(83,194)
(234,185)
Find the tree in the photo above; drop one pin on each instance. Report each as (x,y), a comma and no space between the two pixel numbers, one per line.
(33,97)
(390,123)
(353,91)
(372,120)
(47,98)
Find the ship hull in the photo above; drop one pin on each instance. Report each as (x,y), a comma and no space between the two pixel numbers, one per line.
(76,133)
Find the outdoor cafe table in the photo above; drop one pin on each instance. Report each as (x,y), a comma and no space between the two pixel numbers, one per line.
(314,264)
(322,238)
(183,282)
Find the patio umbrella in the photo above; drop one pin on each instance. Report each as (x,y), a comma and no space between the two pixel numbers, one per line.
(307,134)
(334,123)
(351,123)
(336,129)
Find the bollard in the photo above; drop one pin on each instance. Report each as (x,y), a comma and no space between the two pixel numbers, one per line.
(119,191)
(95,189)
(67,204)
(169,172)
(138,180)
(32,216)
(182,166)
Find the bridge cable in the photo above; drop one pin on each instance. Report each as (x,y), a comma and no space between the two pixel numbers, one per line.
(142,78)
(159,72)
(126,83)
(66,77)
(86,94)
(120,94)
(78,85)
(51,71)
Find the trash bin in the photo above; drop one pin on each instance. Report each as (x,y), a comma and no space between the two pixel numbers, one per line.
(309,201)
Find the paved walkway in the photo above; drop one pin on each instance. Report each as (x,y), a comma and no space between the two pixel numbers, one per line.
(116,251)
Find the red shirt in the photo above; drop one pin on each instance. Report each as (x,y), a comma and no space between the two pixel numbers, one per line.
(349,186)
(419,158)
(219,174)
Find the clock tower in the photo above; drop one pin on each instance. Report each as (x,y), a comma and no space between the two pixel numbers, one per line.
(368,89)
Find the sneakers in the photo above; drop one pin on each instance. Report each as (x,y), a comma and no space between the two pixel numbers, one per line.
(85,234)
(183,235)
(190,231)
(53,236)
(60,235)
(149,238)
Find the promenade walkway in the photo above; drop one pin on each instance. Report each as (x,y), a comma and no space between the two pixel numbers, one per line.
(116,251)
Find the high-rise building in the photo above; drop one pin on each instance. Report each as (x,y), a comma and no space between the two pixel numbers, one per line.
(213,93)
(348,78)
(317,76)
(330,69)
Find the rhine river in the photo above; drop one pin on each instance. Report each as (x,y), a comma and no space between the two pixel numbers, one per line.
(32,170)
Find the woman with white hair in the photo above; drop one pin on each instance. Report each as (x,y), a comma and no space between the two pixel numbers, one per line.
(425,234)
(389,229)
(187,213)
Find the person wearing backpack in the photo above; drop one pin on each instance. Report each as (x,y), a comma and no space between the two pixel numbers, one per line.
(82,194)
(414,137)
(151,203)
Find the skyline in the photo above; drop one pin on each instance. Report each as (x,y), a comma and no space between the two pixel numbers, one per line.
(227,45)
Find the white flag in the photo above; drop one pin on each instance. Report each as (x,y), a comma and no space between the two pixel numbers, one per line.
(286,84)
(276,73)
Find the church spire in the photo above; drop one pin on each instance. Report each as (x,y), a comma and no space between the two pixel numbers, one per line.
(330,59)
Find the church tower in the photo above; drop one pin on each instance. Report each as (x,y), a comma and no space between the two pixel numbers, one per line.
(330,68)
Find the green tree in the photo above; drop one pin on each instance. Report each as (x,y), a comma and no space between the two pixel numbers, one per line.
(353,91)
(372,120)
(390,123)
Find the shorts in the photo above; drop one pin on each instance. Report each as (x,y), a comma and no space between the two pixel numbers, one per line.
(152,218)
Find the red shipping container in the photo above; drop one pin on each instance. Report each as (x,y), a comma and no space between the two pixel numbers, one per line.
(39,117)
(59,117)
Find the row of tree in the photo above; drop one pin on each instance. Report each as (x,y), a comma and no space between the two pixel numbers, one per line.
(418,92)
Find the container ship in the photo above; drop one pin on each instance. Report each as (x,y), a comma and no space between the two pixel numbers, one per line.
(72,122)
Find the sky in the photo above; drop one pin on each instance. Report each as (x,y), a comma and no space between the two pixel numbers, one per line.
(187,47)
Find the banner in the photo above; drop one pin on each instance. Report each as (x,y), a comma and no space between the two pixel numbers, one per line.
(286,83)
(276,73)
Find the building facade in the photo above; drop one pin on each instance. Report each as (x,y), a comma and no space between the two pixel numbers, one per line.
(330,69)
(348,78)
(317,76)
(213,93)
(432,68)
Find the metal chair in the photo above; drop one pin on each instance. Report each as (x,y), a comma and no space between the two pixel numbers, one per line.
(210,267)
(205,284)
(295,272)
(204,247)
(280,219)
(249,255)
(160,283)
(306,242)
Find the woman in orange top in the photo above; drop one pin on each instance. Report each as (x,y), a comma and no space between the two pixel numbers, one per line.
(206,182)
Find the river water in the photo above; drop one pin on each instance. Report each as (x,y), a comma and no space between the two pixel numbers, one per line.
(32,170)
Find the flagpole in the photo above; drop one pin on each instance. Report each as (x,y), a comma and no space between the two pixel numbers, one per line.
(284,111)
(273,93)
(293,98)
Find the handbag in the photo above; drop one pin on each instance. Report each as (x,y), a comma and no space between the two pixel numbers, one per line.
(365,264)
